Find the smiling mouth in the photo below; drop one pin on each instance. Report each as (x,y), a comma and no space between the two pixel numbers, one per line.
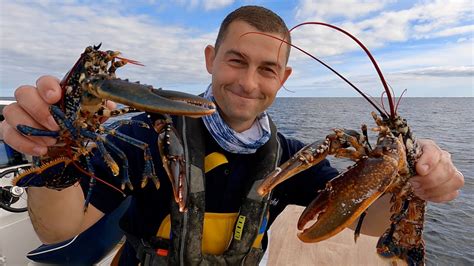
(244,96)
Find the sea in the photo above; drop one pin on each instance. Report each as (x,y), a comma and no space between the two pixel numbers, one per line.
(449,227)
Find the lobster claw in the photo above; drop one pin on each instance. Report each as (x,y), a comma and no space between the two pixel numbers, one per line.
(346,197)
(349,194)
(307,157)
(313,154)
(146,98)
(172,156)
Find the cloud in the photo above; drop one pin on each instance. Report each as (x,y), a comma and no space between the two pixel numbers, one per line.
(216,4)
(423,20)
(443,71)
(455,31)
(410,44)
(327,9)
(208,5)
(47,38)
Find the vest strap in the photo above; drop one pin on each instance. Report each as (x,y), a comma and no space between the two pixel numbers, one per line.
(148,252)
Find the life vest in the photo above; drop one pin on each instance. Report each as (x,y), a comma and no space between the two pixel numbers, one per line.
(185,246)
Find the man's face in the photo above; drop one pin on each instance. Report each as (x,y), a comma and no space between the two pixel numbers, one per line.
(247,73)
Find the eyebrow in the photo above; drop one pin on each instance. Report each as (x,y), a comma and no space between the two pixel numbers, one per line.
(242,55)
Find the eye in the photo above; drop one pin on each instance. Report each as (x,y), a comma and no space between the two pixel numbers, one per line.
(236,61)
(269,71)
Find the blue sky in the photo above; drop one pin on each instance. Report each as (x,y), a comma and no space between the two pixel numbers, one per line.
(425,47)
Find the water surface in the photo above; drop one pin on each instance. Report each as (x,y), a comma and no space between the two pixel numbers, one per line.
(449,227)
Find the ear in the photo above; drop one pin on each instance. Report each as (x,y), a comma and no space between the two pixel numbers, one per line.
(210,54)
(286,74)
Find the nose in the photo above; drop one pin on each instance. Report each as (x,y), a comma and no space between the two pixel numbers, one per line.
(248,80)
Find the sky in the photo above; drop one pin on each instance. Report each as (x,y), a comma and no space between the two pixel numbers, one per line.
(425,47)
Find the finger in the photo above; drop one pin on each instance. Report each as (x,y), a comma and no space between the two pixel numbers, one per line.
(111,105)
(15,115)
(430,157)
(20,143)
(443,198)
(454,183)
(34,105)
(444,189)
(438,175)
(49,89)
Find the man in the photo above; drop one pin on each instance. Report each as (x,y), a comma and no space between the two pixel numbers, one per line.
(247,72)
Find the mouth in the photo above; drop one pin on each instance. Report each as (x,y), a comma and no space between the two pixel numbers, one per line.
(243,95)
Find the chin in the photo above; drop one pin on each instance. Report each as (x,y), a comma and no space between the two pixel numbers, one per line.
(241,116)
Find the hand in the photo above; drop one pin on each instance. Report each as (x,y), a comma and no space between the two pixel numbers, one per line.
(438,180)
(32,109)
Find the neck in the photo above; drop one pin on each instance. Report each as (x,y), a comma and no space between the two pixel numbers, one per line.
(238,125)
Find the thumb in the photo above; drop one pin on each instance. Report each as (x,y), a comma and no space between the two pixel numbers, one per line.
(429,158)
(49,89)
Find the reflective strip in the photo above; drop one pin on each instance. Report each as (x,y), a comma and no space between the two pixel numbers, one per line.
(213,160)
(239,227)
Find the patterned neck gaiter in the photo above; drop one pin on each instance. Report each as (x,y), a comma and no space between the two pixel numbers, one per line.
(245,142)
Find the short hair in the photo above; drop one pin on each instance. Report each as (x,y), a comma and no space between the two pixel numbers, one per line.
(259,17)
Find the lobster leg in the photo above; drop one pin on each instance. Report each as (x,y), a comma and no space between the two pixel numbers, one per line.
(92,182)
(401,239)
(99,140)
(359,225)
(123,157)
(149,169)
(172,156)
(31,131)
(60,118)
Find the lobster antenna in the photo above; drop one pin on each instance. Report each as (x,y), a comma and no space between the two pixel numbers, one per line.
(278,57)
(321,62)
(379,105)
(98,179)
(393,97)
(399,99)
(379,72)
(382,101)
(284,87)
(134,62)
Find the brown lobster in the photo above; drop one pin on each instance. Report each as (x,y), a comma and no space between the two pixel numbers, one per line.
(86,88)
(386,168)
